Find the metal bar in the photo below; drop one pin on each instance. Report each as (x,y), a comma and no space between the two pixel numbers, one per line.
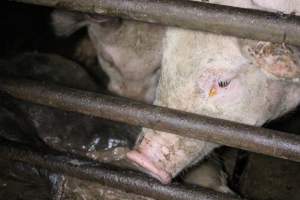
(259,140)
(244,23)
(121,179)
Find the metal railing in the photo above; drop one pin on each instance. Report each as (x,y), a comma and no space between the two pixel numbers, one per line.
(245,23)
(255,139)
(105,174)
(218,19)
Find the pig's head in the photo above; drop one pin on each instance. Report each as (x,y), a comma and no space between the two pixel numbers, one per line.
(131,55)
(221,77)
(129,52)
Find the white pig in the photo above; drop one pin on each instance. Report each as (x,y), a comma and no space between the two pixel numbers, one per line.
(284,6)
(129,52)
(209,174)
(240,80)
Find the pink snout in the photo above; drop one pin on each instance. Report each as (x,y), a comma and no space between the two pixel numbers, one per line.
(149,167)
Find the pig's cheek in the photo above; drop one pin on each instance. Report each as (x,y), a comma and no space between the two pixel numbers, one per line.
(224,101)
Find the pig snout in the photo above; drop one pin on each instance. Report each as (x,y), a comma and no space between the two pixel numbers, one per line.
(149,167)
(163,155)
(148,156)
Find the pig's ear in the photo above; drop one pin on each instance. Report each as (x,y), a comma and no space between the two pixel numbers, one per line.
(279,61)
(65,23)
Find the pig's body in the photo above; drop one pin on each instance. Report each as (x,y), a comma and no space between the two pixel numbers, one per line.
(219,76)
(209,174)
(284,6)
(129,52)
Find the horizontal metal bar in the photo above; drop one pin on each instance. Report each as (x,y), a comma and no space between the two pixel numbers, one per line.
(121,179)
(244,23)
(259,140)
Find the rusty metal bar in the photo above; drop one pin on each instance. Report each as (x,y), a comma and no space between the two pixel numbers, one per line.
(259,140)
(244,23)
(126,180)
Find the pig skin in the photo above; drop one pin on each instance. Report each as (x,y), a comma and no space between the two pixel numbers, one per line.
(216,76)
(129,52)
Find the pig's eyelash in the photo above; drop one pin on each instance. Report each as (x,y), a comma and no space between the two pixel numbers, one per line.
(223,84)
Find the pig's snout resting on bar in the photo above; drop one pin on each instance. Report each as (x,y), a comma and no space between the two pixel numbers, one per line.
(245,81)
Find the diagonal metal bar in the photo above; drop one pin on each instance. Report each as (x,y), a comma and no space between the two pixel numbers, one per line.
(259,140)
(244,23)
(126,180)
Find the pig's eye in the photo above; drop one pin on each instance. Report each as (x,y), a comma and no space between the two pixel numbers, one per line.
(223,84)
